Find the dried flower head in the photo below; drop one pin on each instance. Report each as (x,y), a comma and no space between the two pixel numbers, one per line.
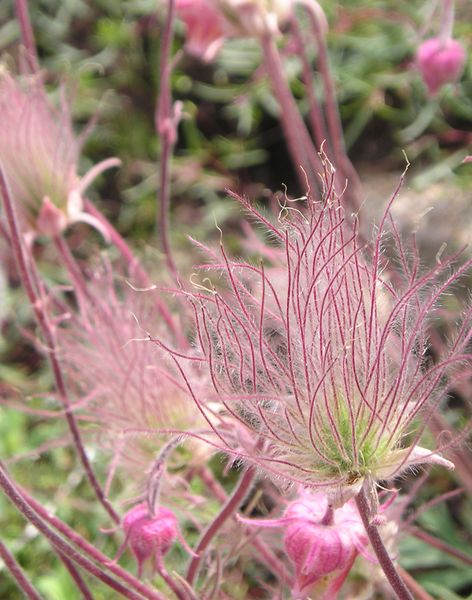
(440,62)
(322,358)
(39,154)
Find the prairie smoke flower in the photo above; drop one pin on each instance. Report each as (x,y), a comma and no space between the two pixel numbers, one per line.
(322,359)
(440,62)
(127,386)
(39,154)
(322,543)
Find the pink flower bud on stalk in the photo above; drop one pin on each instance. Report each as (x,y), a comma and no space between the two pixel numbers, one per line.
(440,62)
(39,154)
(210,22)
(324,360)
(322,543)
(149,536)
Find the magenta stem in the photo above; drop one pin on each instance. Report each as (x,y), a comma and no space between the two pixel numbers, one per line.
(265,554)
(74,573)
(379,548)
(227,511)
(166,129)
(17,573)
(335,130)
(49,339)
(64,546)
(306,161)
(27,35)
(73,537)
(315,113)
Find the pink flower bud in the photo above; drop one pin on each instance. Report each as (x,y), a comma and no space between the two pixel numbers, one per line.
(150,536)
(205,27)
(321,542)
(440,62)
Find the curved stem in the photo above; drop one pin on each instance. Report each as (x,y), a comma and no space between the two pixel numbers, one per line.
(40,314)
(379,548)
(66,548)
(17,573)
(226,512)
(73,537)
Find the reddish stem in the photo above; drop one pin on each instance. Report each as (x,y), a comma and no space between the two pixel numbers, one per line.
(302,151)
(228,510)
(66,548)
(385,562)
(419,592)
(165,123)
(73,537)
(18,574)
(49,339)
(27,35)
(74,573)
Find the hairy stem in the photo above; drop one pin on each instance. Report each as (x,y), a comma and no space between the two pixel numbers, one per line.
(227,511)
(66,548)
(379,548)
(72,537)
(265,555)
(17,573)
(419,592)
(47,331)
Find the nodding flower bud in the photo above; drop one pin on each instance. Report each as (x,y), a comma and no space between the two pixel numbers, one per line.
(150,536)
(205,27)
(440,62)
(322,543)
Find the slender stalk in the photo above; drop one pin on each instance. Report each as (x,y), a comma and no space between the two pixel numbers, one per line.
(165,123)
(265,554)
(431,540)
(17,573)
(227,511)
(385,562)
(80,287)
(419,592)
(27,35)
(299,143)
(49,339)
(335,130)
(315,113)
(74,573)
(74,538)
(64,546)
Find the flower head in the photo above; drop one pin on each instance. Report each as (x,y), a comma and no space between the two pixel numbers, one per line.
(150,536)
(321,358)
(321,543)
(39,154)
(440,62)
